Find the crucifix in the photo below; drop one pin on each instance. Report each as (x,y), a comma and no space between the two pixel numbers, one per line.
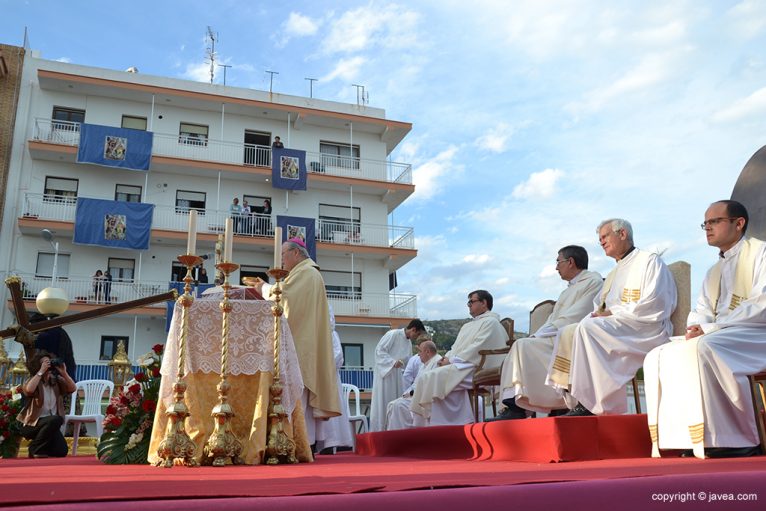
(24,327)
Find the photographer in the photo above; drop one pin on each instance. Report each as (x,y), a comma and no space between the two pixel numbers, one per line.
(43,414)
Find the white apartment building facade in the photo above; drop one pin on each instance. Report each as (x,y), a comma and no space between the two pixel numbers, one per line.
(211,143)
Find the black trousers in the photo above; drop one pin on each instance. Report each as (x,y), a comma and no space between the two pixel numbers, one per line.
(46,437)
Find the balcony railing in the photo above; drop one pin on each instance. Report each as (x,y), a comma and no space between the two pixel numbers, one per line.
(85,291)
(62,208)
(217,151)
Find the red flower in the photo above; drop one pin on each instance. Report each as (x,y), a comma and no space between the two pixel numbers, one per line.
(111,410)
(149,405)
(124,399)
(155,372)
(158,348)
(116,421)
(140,377)
(135,388)
(4,408)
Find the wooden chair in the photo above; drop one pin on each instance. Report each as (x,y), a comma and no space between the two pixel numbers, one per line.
(484,378)
(540,314)
(758,390)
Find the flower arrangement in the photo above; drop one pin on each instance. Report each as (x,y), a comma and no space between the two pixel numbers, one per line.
(10,428)
(130,414)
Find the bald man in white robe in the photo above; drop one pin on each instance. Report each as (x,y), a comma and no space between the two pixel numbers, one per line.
(398,413)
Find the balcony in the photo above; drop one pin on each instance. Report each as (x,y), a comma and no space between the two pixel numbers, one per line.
(231,153)
(82,291)
(38,206)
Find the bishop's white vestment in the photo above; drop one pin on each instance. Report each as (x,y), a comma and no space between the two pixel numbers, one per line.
(526,365)
(387,379)
(697,390)
(441,396)
(606,351)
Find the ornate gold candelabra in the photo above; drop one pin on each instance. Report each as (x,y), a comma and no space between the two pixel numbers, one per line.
(279,447)
(177,447)
(223,443)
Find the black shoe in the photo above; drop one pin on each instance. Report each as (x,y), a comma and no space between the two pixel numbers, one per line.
(578,411)
(559,412)
(732,452)
(688,453)
(508,414)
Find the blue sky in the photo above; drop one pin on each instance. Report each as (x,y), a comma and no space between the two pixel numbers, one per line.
(532,121)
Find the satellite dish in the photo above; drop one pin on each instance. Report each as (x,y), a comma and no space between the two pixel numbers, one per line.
(132,69)
(47,234)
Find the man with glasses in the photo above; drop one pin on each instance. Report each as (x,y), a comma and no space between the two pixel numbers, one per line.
(523,375)
(595,358)
(441,394)
(697,391)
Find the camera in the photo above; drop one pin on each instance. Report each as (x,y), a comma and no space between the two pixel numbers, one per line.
(56,363)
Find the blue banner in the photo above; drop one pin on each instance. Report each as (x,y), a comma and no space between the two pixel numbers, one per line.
(302,228)
(109,223)
(115,147)
(288,169)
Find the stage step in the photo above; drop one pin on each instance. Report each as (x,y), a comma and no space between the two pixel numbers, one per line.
(549,439)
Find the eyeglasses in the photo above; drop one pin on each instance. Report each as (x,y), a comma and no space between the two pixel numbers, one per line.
(559,261)
(715,221)
(471,302)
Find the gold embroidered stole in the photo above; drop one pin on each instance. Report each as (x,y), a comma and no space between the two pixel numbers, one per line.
(743,276)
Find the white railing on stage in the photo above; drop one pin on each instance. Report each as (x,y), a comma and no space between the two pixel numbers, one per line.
(217,151)
(62,208)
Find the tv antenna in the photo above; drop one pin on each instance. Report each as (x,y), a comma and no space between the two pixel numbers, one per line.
(311,86)
(362,97)
(271,79)
(210,54)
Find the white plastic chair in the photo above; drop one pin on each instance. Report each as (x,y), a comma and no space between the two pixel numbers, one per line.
(357,416)
(93,392)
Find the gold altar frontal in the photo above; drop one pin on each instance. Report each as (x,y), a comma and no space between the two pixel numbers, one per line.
(251,360)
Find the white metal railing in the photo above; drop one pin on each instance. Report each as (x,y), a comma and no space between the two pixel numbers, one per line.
(217,151)
(375,304)
(86,290)
(63,208)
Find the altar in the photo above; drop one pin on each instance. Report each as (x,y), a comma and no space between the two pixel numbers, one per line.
(250,365)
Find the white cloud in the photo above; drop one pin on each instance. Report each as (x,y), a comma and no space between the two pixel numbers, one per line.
(477,258)
(540,185)
(749,18)
(430,177)
(296,25)
(390,26)
(495,139)
(753,105)
(199,72)
(345,69)
(66,60)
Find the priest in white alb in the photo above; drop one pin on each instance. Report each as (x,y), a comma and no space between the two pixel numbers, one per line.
(441,394)
(391,354)
(398,412)
(522,379)
(697,391)
(595,358)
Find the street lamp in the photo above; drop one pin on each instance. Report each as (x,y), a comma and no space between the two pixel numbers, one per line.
(52,301)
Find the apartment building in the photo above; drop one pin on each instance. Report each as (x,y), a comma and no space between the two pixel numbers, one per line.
(210,144)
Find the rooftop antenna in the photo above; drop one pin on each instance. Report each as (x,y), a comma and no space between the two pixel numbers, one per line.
(360,94)
(225,67)
(210,51)
(311,86)
(271,79)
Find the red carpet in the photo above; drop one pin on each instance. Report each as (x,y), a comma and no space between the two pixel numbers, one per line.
(466,466)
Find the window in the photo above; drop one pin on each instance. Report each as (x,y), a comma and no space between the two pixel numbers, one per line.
(353,355)
(338,284)
(339,155)
(121,270)
(109,345)
(339,224)
(60,189)
(177,272)
(134,123)
(45,265)
(127,193)
(257,148)
(192,134)
(68,115)
(186,200)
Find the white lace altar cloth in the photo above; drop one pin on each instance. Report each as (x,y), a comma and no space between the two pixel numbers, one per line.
(251,346)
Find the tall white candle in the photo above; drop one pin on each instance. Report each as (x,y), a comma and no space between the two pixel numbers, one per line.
(278,247)
(191,241)
(228,240)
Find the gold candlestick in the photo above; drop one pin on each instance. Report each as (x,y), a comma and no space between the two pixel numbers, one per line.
(177,447)
(223,443)
(279,447)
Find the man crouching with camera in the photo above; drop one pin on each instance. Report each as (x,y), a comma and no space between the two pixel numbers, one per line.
(43,414)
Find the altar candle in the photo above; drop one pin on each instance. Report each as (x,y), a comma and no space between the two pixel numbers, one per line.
(228,240)
(278,247)
(191,241)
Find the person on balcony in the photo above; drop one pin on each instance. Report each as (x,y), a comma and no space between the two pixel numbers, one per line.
(43,414)
(235,212)
(391,355)
(697,390)
(98,286)
(441,394)
(277,144)
(107,287)
(247,219)
(522,379)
